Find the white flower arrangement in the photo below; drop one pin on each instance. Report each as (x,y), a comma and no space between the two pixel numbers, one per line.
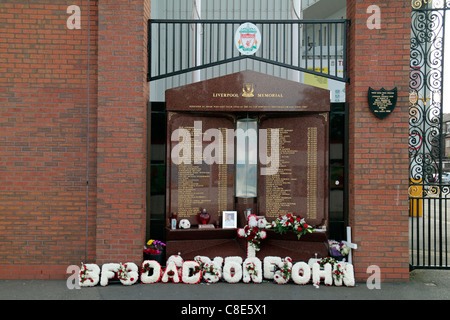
(301,273)
(252,270)
(283,275)
(190,272)
(150,271)
(232,270)
(270,263)
(211,274)
(89,275)
(128,273)
(322,269)
(171,273)
(109,271)
(178,260)
(211,270)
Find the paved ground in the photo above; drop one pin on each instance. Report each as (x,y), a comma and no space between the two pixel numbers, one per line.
(423,285)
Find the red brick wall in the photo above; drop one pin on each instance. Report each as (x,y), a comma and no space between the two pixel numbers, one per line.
(122,101)
(43,138)
(378,149)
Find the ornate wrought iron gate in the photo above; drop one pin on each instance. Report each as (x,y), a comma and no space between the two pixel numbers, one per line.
(429,189)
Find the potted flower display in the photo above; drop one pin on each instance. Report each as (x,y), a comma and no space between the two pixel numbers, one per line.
(154,250)
(338,250)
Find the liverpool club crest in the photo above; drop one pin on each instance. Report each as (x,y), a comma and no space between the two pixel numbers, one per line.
(248,90)
(247,38)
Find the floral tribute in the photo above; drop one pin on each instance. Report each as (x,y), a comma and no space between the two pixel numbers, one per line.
(128,273)
(89,275)
(211,270)
(283,275)
(252,270)
(253,234)
(151,271)
(231,270)
(290,222)
(338,249)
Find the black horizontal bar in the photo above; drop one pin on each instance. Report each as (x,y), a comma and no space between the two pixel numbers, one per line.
(186,70)
(292,67)
(431,9)
(337,21)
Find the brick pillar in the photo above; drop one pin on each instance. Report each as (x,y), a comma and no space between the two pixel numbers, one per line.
(122,99)
(378,149)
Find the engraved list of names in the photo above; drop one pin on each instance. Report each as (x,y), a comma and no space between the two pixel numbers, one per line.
(278,186)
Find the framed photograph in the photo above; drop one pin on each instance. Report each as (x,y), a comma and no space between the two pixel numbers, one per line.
(229,219)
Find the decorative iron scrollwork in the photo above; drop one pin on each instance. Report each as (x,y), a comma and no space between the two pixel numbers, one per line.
(417,4)
(438,4)
(426,77)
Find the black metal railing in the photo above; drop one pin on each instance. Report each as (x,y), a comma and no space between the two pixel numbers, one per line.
(313,46)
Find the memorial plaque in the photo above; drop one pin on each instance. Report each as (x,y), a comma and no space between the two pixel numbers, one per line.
(248,91)
(295,113)
(201,177)
(300,185)
(382,102)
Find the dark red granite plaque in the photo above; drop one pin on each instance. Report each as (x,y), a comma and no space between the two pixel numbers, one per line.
(248,91)
(300,182)
(198,174)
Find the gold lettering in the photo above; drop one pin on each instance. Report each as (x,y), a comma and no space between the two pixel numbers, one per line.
(225,95)
(270,95)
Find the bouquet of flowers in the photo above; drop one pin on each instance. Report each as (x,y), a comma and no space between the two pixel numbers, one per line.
(154,247)
(290,222)
(338,249)
(254,236)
